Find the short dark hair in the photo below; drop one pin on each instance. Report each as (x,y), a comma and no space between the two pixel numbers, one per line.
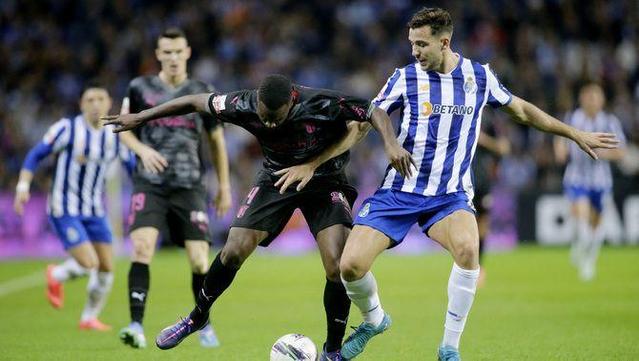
(94,84)
(172,33)
(275,91)
(438,19)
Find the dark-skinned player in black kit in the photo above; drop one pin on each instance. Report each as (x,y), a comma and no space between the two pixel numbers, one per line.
(299,129)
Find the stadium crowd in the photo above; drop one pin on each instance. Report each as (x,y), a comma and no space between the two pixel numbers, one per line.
(542,51)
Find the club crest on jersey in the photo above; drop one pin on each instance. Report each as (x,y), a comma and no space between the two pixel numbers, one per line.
(218,103)
(470,87)
(365,210)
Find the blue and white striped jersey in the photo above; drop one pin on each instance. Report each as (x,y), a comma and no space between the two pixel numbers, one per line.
(440,123)
(83,156)
(581,170)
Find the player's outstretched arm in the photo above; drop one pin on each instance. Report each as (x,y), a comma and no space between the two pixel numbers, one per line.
(528,114)
(303,173)
(179,106)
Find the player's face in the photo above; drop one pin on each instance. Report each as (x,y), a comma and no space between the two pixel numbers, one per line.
(591,99)
(95,103)
(172,55)
(426,48)
(273,118)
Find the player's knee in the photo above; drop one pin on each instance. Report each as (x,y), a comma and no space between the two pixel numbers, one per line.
(332,271)
(351,270)
(105,266)
(466,251)
(142,251)
(88,262)
(199,265)
(233,256)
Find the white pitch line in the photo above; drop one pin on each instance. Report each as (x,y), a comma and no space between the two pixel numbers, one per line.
(21,284)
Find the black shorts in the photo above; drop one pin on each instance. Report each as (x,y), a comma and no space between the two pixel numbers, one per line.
(324,202)
(182,211)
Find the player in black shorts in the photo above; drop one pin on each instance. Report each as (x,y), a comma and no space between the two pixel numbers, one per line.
(484,166)
(168,190)
(294,125)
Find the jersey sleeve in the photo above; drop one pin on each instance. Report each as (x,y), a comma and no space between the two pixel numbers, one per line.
(54,140)
(498,95)
(225,107)
(391,96)
(132,102)
(354,108)
(614,126)
(209,121)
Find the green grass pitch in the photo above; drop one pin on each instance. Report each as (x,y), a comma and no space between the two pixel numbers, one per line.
(532,307)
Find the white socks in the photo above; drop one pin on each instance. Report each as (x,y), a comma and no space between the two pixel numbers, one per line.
(363,293)
(98,289)
(461,292)
(68,269)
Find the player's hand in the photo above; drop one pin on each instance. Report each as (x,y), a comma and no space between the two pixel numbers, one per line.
(152,160)
(401,160)
(302,173)
(123,122)
(222,201)
(588,141)
(21,199)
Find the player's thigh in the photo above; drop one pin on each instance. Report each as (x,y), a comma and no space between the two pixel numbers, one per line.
(189,215)
(363,245)
(580,208)
(458,233)
(197,252)
(149,208)
(144,240)
(104,252)
(331,242)
(75,239)
(100,234)
(264,211)
(240,244)
(85,255)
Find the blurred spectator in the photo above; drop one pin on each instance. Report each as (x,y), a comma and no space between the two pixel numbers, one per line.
(542,50)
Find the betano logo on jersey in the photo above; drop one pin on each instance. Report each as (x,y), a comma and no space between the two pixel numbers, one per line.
(428,109)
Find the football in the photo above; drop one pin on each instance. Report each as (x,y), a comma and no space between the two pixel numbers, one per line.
(293,347)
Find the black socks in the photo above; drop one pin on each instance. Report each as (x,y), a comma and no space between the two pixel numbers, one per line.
(217,280)
(139,278)
(337,306)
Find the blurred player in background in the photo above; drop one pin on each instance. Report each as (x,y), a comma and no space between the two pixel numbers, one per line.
(484,167)
(168,181)
(84,150)
(442,95)
(588,182)
(294,125)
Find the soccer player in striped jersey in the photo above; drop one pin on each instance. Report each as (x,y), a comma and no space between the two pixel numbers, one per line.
(587,182)
(84,150)
(441,97)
